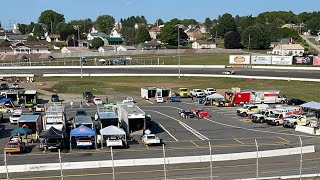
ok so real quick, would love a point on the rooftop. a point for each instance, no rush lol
(131, 108)
(82, 120)
(289, 47)
(28, 118)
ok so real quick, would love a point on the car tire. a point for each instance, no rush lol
(277, 123)
(244, 114)
(293, 104)
(261, 121)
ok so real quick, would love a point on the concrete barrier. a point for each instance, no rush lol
(305, 129)
(154, 161)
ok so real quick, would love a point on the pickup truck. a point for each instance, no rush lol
(261, 117)
(209, 91)
(197, 93)
(275, 119)
(182, 92)
(295, 119)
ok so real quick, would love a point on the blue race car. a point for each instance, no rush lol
(175, 99)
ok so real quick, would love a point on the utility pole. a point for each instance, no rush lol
(249, 42)
(78, 36)
(51, 28)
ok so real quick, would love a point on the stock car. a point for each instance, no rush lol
(229, 72)
(186, 114)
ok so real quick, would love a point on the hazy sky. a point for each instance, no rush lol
(25, 11)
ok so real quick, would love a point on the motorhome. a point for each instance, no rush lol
(54, 115)
(106, 116)
(132, 118)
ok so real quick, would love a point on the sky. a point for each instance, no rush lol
(25, 11)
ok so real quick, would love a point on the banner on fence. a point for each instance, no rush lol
(304, 60)
(316, 60)
(282, 60)
(239, 59)
(261, 59)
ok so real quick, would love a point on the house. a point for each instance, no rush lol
(101, 35)
(281, 41)
(94, 29)
(202, 28)
(125, 48)
(137, 25)
(85, 43)
(115, 33)
(113, 41)
(194, 34)
(34, 43)
(293, 26)
(106, 48)
(53, 38)
(74, 49)
(204, 45)
(149, 45)
(288, 49)
(30, 50)
(5, 50)
(154, 31)
(16, 38)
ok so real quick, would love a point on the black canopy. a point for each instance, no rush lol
(52, 133)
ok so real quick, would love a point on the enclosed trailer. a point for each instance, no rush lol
(132, 118)
(107, 116)
(30, 98)
(33, 122)
(83, 120)
(163, 92)
(148, 92)
(54, 117)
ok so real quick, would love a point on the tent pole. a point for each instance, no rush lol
(95, 142)
(101, 141)
(70, 143)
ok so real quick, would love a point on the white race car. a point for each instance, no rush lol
(229, 72)
(97, 101)
(149, 139)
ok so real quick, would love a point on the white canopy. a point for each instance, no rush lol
(311, 105)
(112, 131)
(215, 96)
(102, 60)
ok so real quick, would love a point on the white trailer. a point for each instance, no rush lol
(54, 116)
(133, 119)
(148, 92)
(267, 97)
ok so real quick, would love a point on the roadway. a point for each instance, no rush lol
(250, 72)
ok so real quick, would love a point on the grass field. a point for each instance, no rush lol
(131, 85)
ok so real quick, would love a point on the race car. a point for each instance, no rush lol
(229, 72)
(201, 113)
(186, 114)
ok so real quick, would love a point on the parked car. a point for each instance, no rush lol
(81, 112)
(14, 146)
(55, 98)
(159, 99)
(175, 99)
(15, 85)
(97, 101)
(182, 92)
(39, 108)
(295, 101)
(15, 116)
(197, 93)
(150, 139)
(209, 91)
(128, 99)
(229, 72)
(201, 113)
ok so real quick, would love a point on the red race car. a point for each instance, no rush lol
(201, 113)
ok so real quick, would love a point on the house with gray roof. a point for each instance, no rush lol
(16, 38)
(149, 45)
(101, 35)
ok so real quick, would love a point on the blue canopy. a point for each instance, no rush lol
(4, 100)
(21, 131)
(82, 131)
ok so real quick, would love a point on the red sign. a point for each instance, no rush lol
(316, 61)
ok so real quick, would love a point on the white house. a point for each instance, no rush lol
(74, 49)
(94, 30)
(53, 38)
(154, 31)
(106, 48)
(101, 35)
(30, 50)
(115, 33)
(288, 49)
(125, 48)
(204, 45)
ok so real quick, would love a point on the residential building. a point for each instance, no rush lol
(74, 49)
(204, 45)
(281, 41)
(85, 43)
(101, 35)
(53, 38)
(30, 50)
(288, 49)
(194, 34)
(154, 31)
(202, 28)
(125, 48)
(113, 41)
(149, 45)
(6, 50)
(94, 29)
(115, 33)
(106, 48)
(16, 38)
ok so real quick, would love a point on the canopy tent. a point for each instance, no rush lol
(52, 133)
(102, 60)
(112, 131)
(4, 100)
(311, 105)
(21, 131)
(215, 96)
(82, 131)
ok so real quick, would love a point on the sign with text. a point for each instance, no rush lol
(304, 60)
(282, 60)
(316, 60)
(261, 59)
(239, 59)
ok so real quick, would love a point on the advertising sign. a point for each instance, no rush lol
(304, 60)
(239, 59)
(316, 60)
(282, 60)
(261, 59)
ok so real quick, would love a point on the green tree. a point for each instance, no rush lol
(159, 22)
(169, 34)
(30, 27)
(23, 28)
(51, 18)
(84, 24)
(97, 42)
(187, 22)
(105, 23)
(232, 40)
(128, 34)
(226, 24)
(38, 31)
(32, 38)
(208, 24)
(255, 37)
(314, 25)
(243, 22)
(65, 30)
(5, 43)
(72, 40)
(142, 35)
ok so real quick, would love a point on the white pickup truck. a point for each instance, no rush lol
(209, 91)
(197, 93)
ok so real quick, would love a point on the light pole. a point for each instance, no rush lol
(179, 49)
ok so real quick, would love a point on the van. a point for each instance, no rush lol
(251, 109)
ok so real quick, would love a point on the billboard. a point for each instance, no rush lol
(282, 60)
(239, 59)
(304, 60)
(261, 59)
(316, 60)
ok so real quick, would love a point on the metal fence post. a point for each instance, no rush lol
(5, 164)
(113, 175)
(210, 149)
(257, 168)
(164, 163)
(300, 158)
(61, 172)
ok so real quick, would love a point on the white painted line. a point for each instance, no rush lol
(163, 128)
(87, 104)
(149, 102)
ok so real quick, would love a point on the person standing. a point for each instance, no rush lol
(80, 104)
(71, 104)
